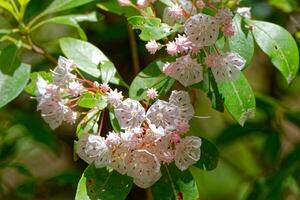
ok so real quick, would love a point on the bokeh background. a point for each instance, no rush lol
(258, 161)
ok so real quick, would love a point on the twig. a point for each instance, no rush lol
(41, 51)
(134, 51)
(101, 122)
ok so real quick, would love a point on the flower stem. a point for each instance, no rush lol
(134, 50)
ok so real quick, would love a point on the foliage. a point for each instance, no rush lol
(18, 38)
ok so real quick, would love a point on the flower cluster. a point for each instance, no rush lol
(150, 136)
(54, 98)
(200, 34)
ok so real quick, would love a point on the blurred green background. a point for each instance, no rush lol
(258, 161)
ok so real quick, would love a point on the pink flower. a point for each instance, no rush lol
(228, 30)
(75, 88)
(124, 2)
(167, 68)
(183, 44)
(174, 137)
(175, 11)
(200, 4)
(114, 97)
(152, 93)
(104, 87)
(172, 48)
(152, 46)
(141, 4)
(183, 126)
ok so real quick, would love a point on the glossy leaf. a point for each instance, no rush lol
(239, 98)
(61, 5)
(14, 75)
(86, 56)
(114, 7)
(175, 185)
(71, 20)
(150, 77)
(209, 156)
(91, 100)
(114, 122)
(279, 45)
(152, 28)
(89, 123)
(96, 184)
(241, 43)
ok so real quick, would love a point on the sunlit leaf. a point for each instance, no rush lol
(14, 75)
(61, 5)
(175, 184)
(150, 77)
(279, 45)
(239, 98)
(102, 184)
(152, 28)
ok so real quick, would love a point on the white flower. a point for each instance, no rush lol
(187, 152)
(81, 146)
(124, 2)
(244, 11)
(175, 11)
(181, 99)
(152, 93)
(172, 48)
(46, 90)
(69, 115)
(186, 70)
(104, 87)
(183, 44)
(52, 111)
(163, 114)
(152, 46)
(226, 67)
(202, 30)
(62, 73)
(112, 140)
(167, 69)
(97, 149)
(162, 150)
(144, 167)
(130, 114)
(114, 97)
(75, 88)
(118, 156)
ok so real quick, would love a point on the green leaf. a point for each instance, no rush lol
(114, 7)
(91, 100)
(71, 20)
(14, 75)
(150, 77)
(86, 56)
(61, 5)
(89, 123)
(152, 28)
(240, 42)
(108, 71)
(279, 45)
(96, 184)
(114, 122)
(239, 98)
(209, 156)
(26, 190)
(175, 185)
(285, 5)
(31, 87)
